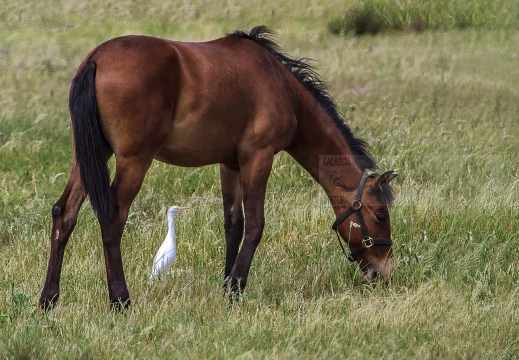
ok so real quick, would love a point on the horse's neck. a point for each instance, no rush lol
(321, 149)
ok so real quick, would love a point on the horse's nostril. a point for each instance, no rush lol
(371, 275)
(374, 275)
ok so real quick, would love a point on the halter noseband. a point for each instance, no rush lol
(355, 207)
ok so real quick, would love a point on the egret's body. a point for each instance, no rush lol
(168, 251)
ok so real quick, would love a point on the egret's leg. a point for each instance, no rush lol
(64, 217)
(130, 173)
(255, 170)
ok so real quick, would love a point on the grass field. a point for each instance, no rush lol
(438, 106)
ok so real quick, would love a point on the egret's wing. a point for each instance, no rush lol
(163, 261)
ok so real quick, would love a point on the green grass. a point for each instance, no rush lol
(374, 16)
(440, 107)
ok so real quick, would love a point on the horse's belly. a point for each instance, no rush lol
(196, 152)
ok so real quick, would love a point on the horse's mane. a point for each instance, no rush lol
(313, 83)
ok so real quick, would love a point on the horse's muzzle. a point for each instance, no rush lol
(380, 271)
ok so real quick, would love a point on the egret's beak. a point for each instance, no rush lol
(179, 208)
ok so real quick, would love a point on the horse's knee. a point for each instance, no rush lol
(227, 225)
(112, 234)
(113, 227)
(233, 229)
(254, 231)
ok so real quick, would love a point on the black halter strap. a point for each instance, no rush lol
(355, 207)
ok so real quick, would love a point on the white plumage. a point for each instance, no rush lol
(167, 252)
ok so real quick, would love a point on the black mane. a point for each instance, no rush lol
(312, 82)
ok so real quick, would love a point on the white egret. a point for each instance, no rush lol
(168, 251)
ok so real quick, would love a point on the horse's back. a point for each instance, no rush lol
(200, 101)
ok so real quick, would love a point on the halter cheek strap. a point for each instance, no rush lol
(355, 207)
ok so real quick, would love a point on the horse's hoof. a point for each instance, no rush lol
(233, 286)
(230, 289)
(119, 305)
(46, 304)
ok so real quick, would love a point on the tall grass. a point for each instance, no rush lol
(371, 17)
(440, 107)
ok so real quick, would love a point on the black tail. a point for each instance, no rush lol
(89, 141)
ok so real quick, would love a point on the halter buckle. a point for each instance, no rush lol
(356, 205)
(368, 242)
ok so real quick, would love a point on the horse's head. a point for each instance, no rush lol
(366, 227)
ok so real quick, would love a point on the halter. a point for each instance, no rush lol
(355, 207)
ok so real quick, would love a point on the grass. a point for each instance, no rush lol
(439, 106)
(372, 17)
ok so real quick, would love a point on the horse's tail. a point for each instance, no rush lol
(89, 142)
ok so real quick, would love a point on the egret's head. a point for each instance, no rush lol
(176, 209)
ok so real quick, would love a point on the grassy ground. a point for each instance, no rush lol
(440, 107)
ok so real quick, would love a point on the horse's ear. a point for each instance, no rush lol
(385, 178)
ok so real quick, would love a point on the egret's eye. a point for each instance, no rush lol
(381, 217)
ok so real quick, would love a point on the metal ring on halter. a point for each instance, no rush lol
(356, 205)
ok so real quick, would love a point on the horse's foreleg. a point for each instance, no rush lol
(125, 186)
(64, 217)
(255, 171)
(233, 214)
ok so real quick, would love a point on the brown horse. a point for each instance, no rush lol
(235, 101)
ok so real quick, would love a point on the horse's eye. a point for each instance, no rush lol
(381, 217)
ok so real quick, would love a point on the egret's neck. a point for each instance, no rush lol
(171, 224)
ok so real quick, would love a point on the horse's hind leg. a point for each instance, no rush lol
(233, 214)
(64, 216)
(130, 173)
